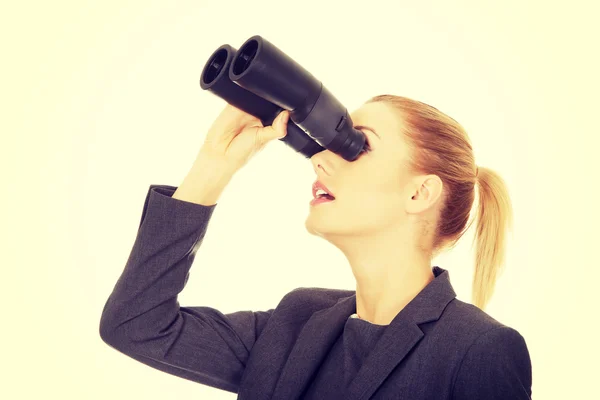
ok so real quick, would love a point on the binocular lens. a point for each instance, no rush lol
(214, 67)
(244, 57)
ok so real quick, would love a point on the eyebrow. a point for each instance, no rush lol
(367, 127)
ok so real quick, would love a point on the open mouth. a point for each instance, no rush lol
(323, 194)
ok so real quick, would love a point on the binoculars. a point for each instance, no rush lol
(263, 81)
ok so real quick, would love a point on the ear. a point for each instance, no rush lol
(428, 190)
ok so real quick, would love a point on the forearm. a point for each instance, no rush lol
(204, 182)
(144, 299)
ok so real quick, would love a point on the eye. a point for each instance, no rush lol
(367, 146)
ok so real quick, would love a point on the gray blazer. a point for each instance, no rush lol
(437, 347)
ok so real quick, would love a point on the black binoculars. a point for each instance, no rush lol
(263, 81)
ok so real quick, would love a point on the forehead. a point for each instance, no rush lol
(379, 116)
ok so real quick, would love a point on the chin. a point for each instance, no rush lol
(319, 226)
(313, 226)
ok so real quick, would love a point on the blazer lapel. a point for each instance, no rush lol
(401, 335)
(325, 326)
(312, 345)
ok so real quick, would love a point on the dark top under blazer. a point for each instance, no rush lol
(437, 347)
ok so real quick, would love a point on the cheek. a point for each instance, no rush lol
(374, 187)
(370, 214)
(373, 205)
(380, 188)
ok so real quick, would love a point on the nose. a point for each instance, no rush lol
(319, 163)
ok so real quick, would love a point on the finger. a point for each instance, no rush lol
(273, 131)
(276, 130)
(279, 126)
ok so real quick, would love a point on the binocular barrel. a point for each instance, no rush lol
(262, 80)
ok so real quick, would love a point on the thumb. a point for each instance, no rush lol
(278, 129)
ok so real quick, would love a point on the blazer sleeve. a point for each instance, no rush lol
(496, 366)
(142, 317)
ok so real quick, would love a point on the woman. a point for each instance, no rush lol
(402, 334)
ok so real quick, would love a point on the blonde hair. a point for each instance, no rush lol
(440, 145)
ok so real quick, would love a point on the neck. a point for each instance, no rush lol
(389, 273)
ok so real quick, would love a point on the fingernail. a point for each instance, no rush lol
(280, 120)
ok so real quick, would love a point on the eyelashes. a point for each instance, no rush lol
(367, 146)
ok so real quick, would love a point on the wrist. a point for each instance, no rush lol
(204, 183)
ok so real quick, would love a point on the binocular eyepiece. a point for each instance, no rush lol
(263, 81)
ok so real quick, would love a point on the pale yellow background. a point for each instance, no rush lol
(101, 99)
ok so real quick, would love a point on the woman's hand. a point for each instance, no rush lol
(236, 136)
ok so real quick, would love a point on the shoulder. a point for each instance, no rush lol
(298, 305)
(479, 330)
(320, 297)
(308, 300)
(495, 361)
(468, 319)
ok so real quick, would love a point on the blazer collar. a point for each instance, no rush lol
(326, 325)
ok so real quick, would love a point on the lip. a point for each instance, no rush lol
(319, 185)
